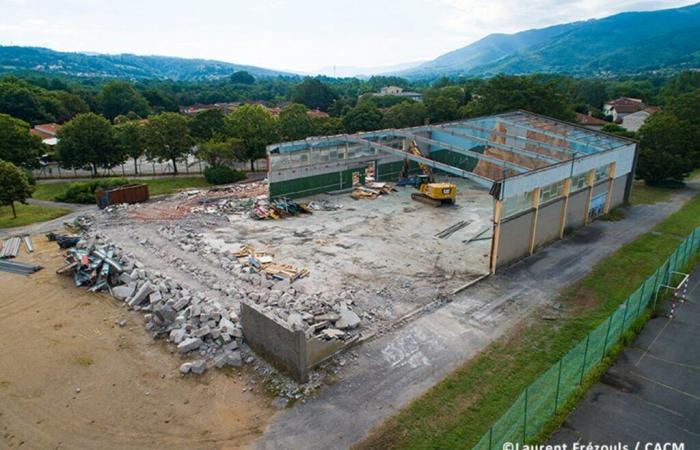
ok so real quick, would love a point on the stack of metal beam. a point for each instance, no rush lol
(10, 247)
(18, 267)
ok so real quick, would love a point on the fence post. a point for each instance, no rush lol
(556, 397)
(607, 333)
(491, 437)
(624, 317)
(585, 354)
(525, 417)
(639, 304)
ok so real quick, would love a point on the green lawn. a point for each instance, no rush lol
(27, 214)
(642, 194)
(156, 186)
(460, 409)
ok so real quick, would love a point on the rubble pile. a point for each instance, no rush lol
(371, 190)
(278, 209)
(193, 322)
(281, 289)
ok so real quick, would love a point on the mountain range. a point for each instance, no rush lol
(14, 58)
(625, 43)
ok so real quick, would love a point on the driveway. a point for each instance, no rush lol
(652, 392)
(399, 366)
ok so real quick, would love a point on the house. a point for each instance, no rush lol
(590, 122)
(634, 121)
(621, 107)
(398, 92)
(47, 132)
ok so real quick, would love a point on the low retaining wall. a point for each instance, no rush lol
(289, 350)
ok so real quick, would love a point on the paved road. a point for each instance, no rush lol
(652, 392)
(399, 366)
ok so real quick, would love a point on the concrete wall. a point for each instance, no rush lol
(282, 347)
(618, 195)
(548, 219)
(576, 210)
(514, 241)
(515, 231)
(291, 351)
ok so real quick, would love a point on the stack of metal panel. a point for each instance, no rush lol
(11, 246)
(18, 267)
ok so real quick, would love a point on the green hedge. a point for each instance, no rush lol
(84, 191)
(222, 175)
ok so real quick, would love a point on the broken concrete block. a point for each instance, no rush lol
(295, 322)
(186, 367)
(221, 360)
(181, 303)
(141, 295)
(199, 366)
(201, 332)
(123, 292)
(177, 335)
(189, 344)
(234, 359)
(155, 297)
(348, 320)
(165, 313)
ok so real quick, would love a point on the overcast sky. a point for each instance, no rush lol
(299, 35)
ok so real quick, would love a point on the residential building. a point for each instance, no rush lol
(621, 107)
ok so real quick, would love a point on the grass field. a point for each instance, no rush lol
(28, 214)
(156, 186)
(459, 410)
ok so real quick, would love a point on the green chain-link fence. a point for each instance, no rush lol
(541, 400)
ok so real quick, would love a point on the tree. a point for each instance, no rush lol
(406, 114)
(222, 153)
(88, 140)
(17, 144)
(119, 98)
(253, 125)
(364, 117)
(21, 102)
(167, 137)
(614, 128)
(129, 137)
(314, 94)
(242, 77)
(294, 122)
(207, 125)
(14, 186)
(507, 93)
(442, 109)
(161, 101)
(326, 126)
(665, 150)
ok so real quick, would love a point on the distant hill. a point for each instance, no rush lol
(629, 42)
(15, 59)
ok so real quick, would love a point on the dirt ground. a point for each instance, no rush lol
(70, 378)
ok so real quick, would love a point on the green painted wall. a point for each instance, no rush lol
(455, 159)
(317, 184)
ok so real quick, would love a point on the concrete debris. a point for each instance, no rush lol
(278, 209)
(199, 366)
(348, 320)
(190, 320)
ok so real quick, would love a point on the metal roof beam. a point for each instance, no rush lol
(547, 133)
(482, 181)
(463, 151)
(526, 140)
(529, 154)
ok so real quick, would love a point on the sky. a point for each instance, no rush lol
(298, 35)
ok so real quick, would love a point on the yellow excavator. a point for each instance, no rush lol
(430, 192)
